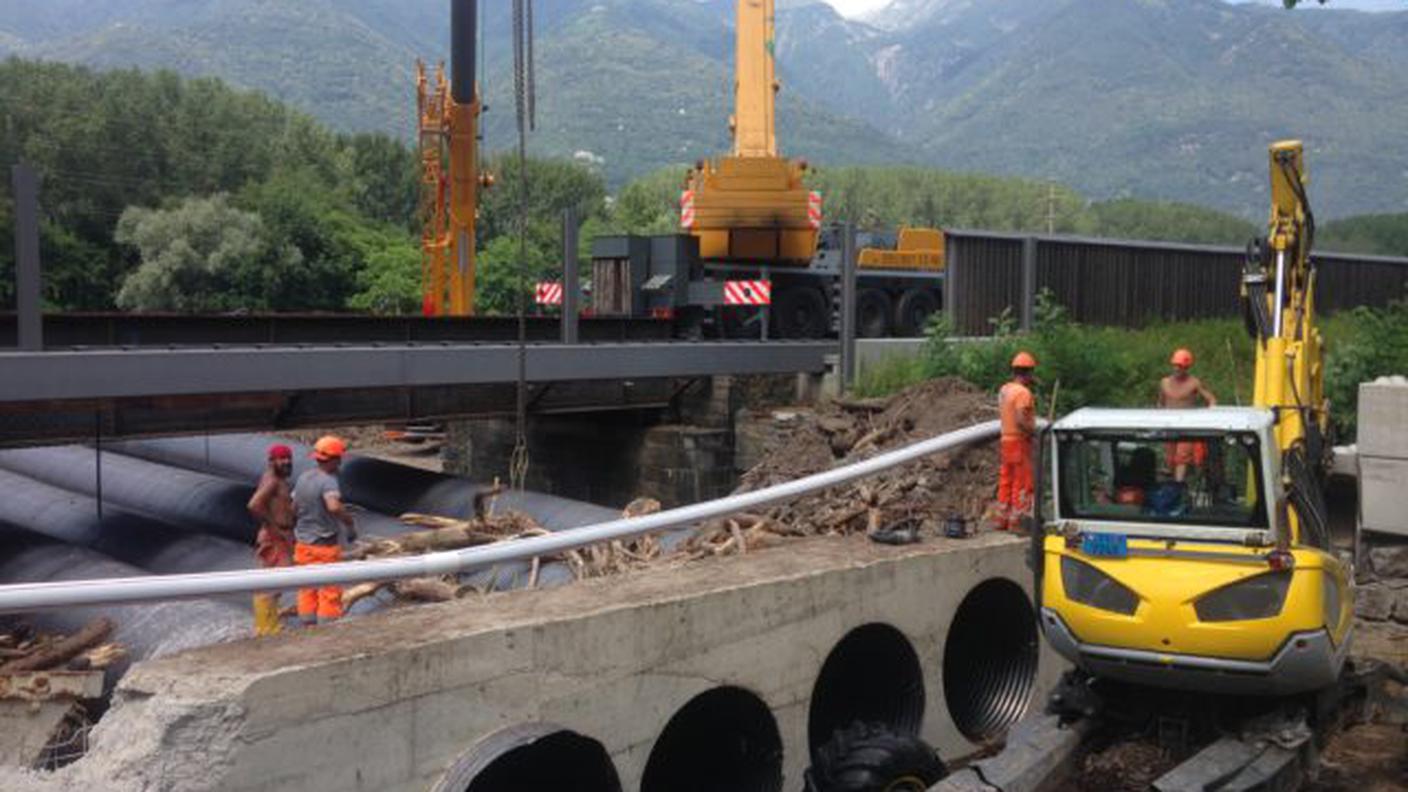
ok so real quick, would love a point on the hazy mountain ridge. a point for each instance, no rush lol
(1170, 99)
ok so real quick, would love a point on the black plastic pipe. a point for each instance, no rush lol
(376, 484)
(141, 541)
(386, 487)
(146, 631)
(192, 501)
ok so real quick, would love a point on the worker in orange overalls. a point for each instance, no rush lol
(1181, 390)
(272, 507)
(1017, 408)
(322, 523)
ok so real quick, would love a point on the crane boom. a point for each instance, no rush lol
(755, 84)
(449, 132)
(752, 205)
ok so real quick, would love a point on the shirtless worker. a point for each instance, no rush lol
(272, 507)
(1181, 390)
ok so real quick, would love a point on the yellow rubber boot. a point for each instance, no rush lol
(266, 615)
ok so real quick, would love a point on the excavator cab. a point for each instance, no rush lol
(1203, 581)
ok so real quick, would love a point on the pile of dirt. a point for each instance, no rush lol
(1370, 757)
(931, 490)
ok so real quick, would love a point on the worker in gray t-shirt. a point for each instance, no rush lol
(320, 520)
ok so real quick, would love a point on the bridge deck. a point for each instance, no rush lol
(60, 395)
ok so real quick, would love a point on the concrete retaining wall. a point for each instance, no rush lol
(393, 701)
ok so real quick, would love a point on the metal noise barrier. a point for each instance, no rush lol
(37, 596)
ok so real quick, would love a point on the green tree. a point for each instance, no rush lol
(382, 179)
(104, 141)
(1172, 222)
(499, 276)
(1385, 235)
(192, 256)
(649, 205)
(553, 186)
(389, 275)
(300, 210)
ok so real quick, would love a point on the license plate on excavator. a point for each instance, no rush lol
(1105, 545)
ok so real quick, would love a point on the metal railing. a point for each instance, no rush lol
(111, 591)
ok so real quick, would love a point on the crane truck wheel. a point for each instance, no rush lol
(874, 757)
(913, 311)
(873, 311)
(801, 312)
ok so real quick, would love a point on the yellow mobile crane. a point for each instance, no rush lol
(752, 203)
(448, 116)
(753, 245)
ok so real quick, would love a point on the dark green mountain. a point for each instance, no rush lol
(1164, 99)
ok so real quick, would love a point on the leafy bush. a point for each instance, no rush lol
(1364, 344)
(1121, 368)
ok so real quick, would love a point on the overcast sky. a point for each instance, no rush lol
(854, 7)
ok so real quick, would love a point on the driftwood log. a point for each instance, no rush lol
(59, 652)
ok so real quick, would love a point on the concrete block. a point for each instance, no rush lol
(1383, 492)
(1383, 419)
(393, 700)
(1390, 561)
(1374, 602)
(25, 728)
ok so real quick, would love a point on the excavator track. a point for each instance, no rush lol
(1180, 743)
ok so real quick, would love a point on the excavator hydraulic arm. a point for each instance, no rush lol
(1279, 298)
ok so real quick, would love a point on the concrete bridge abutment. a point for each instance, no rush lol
(731, 671)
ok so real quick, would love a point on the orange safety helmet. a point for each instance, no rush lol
(1182, 358)
(329, 447)
(1024, 360)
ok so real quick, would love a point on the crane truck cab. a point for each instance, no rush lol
(1207, 584)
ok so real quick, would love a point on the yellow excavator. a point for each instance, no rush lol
(1226, 582)
(1212, 605)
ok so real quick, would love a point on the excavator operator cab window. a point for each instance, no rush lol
(1194, 479)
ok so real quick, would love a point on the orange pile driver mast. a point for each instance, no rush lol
(752, 205)
(449, 133)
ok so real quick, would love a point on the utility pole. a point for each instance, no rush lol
(1050, 207)
(848, 308)
(571, 278)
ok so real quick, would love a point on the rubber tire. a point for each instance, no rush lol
(873, 757)
(913, 311)
(800, 312)
(873, 312)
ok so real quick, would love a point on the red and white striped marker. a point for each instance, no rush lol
(548, 293)
(748, 292)
(687, 209)
(814, 208)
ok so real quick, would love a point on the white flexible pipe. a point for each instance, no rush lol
(36, 596)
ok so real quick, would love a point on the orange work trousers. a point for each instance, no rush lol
(323, 603)
(1186, 452)
(1014, 478)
